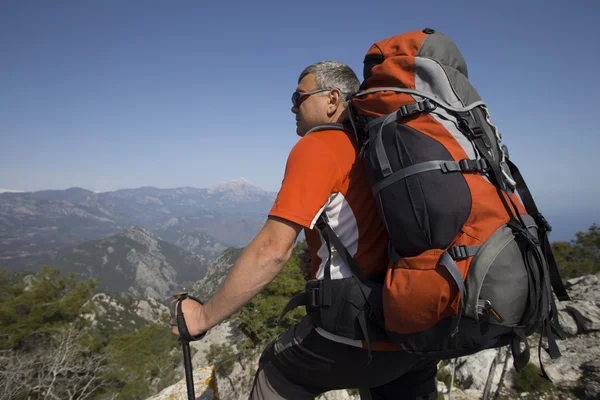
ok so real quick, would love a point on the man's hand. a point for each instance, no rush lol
(193, 315)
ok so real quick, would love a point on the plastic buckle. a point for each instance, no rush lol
(404, 111)
(471, 129)
(458, 252)
(465, 165)
(313, 298)
(482, 164)
(541, 220)
(476, 131)
(428, 105)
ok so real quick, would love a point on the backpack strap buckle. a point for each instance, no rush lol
(541, 221)
(313, 297)
(462, 251)
(469, 165)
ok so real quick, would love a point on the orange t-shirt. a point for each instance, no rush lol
(325, 174)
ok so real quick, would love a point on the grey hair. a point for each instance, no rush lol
(333, 75)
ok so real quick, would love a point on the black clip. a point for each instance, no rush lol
(321, 223)
(313, 298)
(458, 252)
(468, 165)
(542, 221)
(470, 128)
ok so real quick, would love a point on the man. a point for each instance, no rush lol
(323, 175)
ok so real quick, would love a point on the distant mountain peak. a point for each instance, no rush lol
(238, 190)
(232, 185)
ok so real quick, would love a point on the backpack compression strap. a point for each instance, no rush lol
(530, 206)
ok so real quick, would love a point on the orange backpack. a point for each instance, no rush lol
(472, 266)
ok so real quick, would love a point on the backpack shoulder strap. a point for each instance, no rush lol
(332, 126)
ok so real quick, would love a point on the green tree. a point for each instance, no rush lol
(580, 256)
(45, 347)
(222, 356)
(142, 362)
(39, 303)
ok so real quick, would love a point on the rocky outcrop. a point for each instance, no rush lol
(575, 371)
(151, 310)
(122, 311)
(134, 261)
(205, 387)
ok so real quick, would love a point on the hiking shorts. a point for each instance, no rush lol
(301, 364)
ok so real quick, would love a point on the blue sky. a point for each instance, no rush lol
(122, 94)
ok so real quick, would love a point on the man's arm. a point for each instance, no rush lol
(258, 265)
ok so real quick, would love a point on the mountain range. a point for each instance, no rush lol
(203, 220)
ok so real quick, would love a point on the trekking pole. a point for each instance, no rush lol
(187, 364)
(185, 338)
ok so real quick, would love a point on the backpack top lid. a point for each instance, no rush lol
(424, 61)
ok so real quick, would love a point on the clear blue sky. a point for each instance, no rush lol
(122, 94)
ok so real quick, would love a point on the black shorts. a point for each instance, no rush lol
(301, 364)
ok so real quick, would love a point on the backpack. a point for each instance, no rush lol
(471, 265)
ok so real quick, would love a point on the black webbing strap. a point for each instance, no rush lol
(181, 325)
(476, 135)
(332, 238)
(362, 321)
(520, 357)
(297, 300)
(544, 228)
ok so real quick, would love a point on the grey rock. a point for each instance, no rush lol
(586, 315)
(591, 379)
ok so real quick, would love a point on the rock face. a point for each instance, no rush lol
(578, 368)
(134, 261)
(205, 387)
(591, 379)
(123, 311)
(151, 310)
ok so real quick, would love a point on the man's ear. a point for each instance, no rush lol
(334, 101)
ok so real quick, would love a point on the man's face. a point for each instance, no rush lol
(312, 110)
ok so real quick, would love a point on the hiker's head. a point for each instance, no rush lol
(322, 94)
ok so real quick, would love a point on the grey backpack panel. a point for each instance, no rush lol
(497, 280)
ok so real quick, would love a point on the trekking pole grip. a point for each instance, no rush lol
(185, 338)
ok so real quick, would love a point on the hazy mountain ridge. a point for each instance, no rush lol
(196, 242)
(37, 222)
(227, 229)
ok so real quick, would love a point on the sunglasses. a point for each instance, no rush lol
(299, 97)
